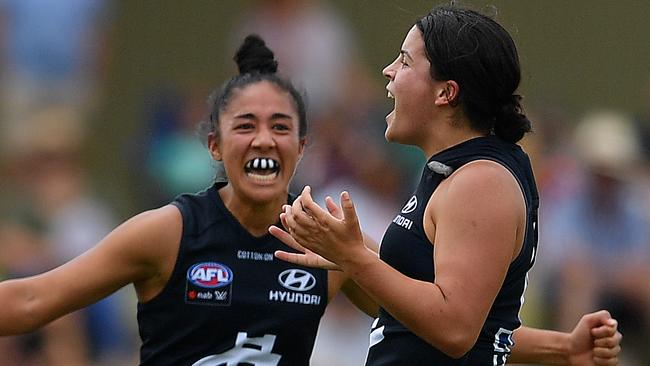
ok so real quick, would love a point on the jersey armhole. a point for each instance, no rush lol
(528, 209)
(177, 261)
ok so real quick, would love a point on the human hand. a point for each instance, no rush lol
(595, 340)
(305, 257)
(334, 235)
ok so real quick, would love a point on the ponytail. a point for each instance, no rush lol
(511, 124)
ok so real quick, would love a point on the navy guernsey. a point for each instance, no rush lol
(406, 248)
(229, 301)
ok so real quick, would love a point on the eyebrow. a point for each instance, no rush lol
(274, 116)
(406, 53)
(281, 116)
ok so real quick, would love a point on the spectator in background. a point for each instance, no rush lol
(51, 175)
(52, 52)
(25, 251)
(305, 35)
(596, 242)
(167, 150)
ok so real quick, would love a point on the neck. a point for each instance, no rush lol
(255, 217)
(445, 135)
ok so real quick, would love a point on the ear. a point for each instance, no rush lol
(301, 147)
(447, 93)
(213, 146)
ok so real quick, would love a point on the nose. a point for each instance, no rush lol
(389, 71)
(264, 138)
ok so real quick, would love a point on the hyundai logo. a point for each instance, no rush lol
(297, 280)
(410, 205)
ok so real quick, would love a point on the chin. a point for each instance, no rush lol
(389, 134)
(266, 193)
(392, 136)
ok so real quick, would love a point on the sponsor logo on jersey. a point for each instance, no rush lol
(254, 256)
(298, 281)
(210, 275)
(403, 222)
(209, 283)
(411, 205)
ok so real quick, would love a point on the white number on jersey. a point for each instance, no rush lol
(252, 351)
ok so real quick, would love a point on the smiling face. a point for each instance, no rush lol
(413, 90)
(258, 142)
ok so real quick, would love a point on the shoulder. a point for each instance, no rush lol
(156, 222)
(477, 187)
(199, 210)
(149, 235)
(482, 177)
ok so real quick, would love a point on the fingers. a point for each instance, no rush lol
(309, 260)
(609, 352)
(295, 258)
(605, 361)
(597, 318)
(333, 208)
(347, 206)
(283, 218)
(286, 238)
(608, 341)
(311, 208)
(287, 218)
(299, 211)
(296, 207)
(299, 224)
(608, 329)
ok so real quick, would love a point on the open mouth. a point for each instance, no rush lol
(264, 169)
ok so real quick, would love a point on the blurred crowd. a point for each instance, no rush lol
(592, 169)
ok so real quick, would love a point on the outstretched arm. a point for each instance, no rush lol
(131, 253)
(595, 341)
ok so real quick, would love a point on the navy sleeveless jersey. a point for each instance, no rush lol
(229, 301)
(406, 248)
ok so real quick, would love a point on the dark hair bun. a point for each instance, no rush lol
(254, 56)
(511, 123)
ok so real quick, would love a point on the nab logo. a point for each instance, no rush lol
(411, 205)
(297, 280)
(209, 275)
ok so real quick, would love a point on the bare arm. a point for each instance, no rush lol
(475, 225)
(540, 346)
(356, 293)
(595, 341)
(133, 253)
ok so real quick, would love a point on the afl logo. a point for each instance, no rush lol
(297, 280)
(210, 275)
(411, 205)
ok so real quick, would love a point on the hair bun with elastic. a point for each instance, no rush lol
(255, 56)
